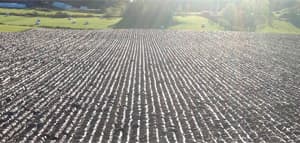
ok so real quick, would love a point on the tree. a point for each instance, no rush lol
(246, 14)
(229, 15)
(148, 14)
(115, 8)
(262, 12)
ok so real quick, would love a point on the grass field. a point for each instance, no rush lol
(280, 27)
(45, 13)
(12, 28)
(94, 22)
(19, 23)
(195, 23)
(182, 22)
(13, 23)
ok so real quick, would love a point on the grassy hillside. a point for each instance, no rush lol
(280, 27)
(12, 28)
(195, 23)
(37, 12)
(13, 23)
(21, 23)
(17, 19)
(94, 23)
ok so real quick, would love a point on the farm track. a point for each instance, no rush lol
(149, 86)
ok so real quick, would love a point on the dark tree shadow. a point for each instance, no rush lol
(147, 14)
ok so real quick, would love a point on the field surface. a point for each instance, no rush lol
(149, 86)
(94, 22)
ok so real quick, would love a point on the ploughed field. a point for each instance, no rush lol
(149, 86)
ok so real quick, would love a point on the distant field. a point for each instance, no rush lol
(12, 28)
(13, 20)
(44, 13)
(195, 23)
(94, 22)
(280, 27)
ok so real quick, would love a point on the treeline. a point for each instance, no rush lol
(232, 14)
(245, 15)
(148, 14)
(200, 5)
(249, 14)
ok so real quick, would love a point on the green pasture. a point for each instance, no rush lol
(13, 23)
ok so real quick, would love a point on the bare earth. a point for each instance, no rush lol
(149, 86)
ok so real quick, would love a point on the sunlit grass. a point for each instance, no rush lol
(21, 23)
(94, 22)
(280, 27)
(48, 13)
(12, 28)
(195, 23)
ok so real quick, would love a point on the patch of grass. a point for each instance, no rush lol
(195, 23)
(94, 22)
(50, 13)
(12, 28)
(191, 22)
(279, 27)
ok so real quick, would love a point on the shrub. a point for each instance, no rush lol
(293, 16)
(148, 14)
(34, 14)
(113, 12)
(61, 15)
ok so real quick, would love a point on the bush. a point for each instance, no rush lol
(113, 12)
(44, 9)
(34, 14)
(226, 24)
(295, 20)
(293, 17)
(148, 14)
(60, 15)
